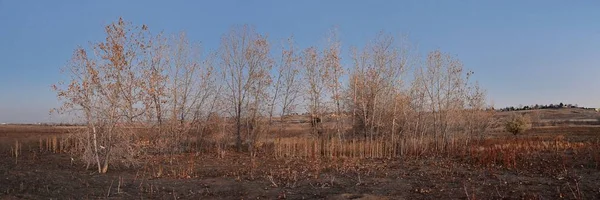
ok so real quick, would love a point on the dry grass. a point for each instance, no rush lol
(518, 152)
(295, 164)
(507, 151)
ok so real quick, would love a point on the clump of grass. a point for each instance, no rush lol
(517, 124)
(15, 151)
(516, 152)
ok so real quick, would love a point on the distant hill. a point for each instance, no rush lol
(558, 116)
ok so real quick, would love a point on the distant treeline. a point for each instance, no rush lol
(45, 124)
(538, 107)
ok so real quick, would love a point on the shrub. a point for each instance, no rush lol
(517, 124)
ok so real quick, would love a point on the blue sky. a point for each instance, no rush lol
(522, 52)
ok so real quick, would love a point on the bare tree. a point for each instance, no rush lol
(314, 74)
(107, 88)
(155, 73)
(376, 84)
(79, 96)
(334, 71)
(122, 56)
(286, 88)
(245, 61)
(180, 86)
(478, 115)
(441, 86)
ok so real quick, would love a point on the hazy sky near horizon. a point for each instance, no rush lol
(522, 52)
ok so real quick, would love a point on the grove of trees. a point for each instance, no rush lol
(141, 93)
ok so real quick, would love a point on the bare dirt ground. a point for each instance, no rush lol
(42, 174)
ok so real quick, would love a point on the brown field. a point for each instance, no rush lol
(559, 158)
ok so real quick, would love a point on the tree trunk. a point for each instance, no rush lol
(239, 127)
(96, 149)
